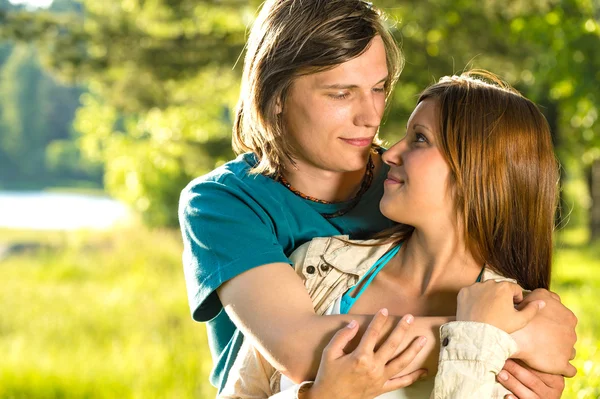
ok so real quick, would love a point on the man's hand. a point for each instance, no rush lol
(547, 342)
(526, 383)
(493, 302)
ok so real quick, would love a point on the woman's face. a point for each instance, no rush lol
(331, 117)
(416, 191)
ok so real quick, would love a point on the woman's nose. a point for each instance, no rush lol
(393, 156)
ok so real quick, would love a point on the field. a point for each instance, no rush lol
(99, 316)
(105, 315)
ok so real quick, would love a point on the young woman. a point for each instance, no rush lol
(316, 78)
(473, 186)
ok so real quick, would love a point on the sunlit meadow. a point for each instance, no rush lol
(105, 316)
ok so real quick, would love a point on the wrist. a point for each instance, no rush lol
(518, 355)
(521, 347)
(307, 391)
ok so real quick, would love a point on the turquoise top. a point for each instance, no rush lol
(348, 299)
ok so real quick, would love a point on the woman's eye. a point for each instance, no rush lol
(379, 89)
(420, 138)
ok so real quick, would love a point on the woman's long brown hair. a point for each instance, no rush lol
(504, 174)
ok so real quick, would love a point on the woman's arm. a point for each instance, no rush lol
(271, 306)
(476, 346)
(366, 372)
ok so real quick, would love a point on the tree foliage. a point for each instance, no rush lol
(36, 113)
(163, 76)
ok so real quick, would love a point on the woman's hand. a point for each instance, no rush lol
(368, 371)
(493, 303)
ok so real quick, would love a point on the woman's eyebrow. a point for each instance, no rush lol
(423, 126)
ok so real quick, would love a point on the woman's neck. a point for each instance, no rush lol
(435, 261)
(328, 185)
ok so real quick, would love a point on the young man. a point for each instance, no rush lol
(316, 78)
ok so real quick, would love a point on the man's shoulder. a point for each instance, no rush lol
(236, 169)
(235, 173)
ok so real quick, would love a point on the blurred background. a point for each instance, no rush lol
(108, 108)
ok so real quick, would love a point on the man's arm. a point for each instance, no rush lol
(272, 307)
(526, 383)
(547, 343)
(286, 311)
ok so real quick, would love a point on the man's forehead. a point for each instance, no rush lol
(338, 78)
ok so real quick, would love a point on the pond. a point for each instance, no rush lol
(59, 211)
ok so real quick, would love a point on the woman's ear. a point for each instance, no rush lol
(278, 106)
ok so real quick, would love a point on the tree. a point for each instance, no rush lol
(162, 87)
(163, 76)
(36, 111)
(21, 108)
(548, 50)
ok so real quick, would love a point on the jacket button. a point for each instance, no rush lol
(445, 342)
(310, 269)
(324, 268)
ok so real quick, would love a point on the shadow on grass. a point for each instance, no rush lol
(52, 387)
(568, 284)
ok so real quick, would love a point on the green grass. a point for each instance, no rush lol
(576, 278)
(105, 315)
(99, 316)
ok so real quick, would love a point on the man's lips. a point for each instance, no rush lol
(394, 179)
(359, 141)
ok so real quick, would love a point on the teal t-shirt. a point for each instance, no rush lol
(232, 221)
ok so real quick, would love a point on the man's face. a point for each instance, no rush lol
(331, 117)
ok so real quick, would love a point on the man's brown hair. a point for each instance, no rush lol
(291, 38)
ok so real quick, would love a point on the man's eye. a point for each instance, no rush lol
(339, 96)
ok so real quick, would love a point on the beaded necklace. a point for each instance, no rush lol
(364, 186)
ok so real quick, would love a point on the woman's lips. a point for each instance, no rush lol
(393, 180)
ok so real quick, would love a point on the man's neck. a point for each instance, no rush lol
(327, 185)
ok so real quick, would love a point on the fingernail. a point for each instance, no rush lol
(510, 397)
(409, 319)
(384, 311)
(503, 375)
(422, 341)
(424, 375)
(352, 324)
(541, 305)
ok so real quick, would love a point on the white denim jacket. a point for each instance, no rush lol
(474, 352)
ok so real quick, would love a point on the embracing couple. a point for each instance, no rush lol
(326, 266)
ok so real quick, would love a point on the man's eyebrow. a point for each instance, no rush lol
(343, 86)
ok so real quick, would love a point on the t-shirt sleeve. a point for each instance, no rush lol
(225, 232)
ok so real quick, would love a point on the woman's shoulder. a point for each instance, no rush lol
(489, 274)
(339, 252)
